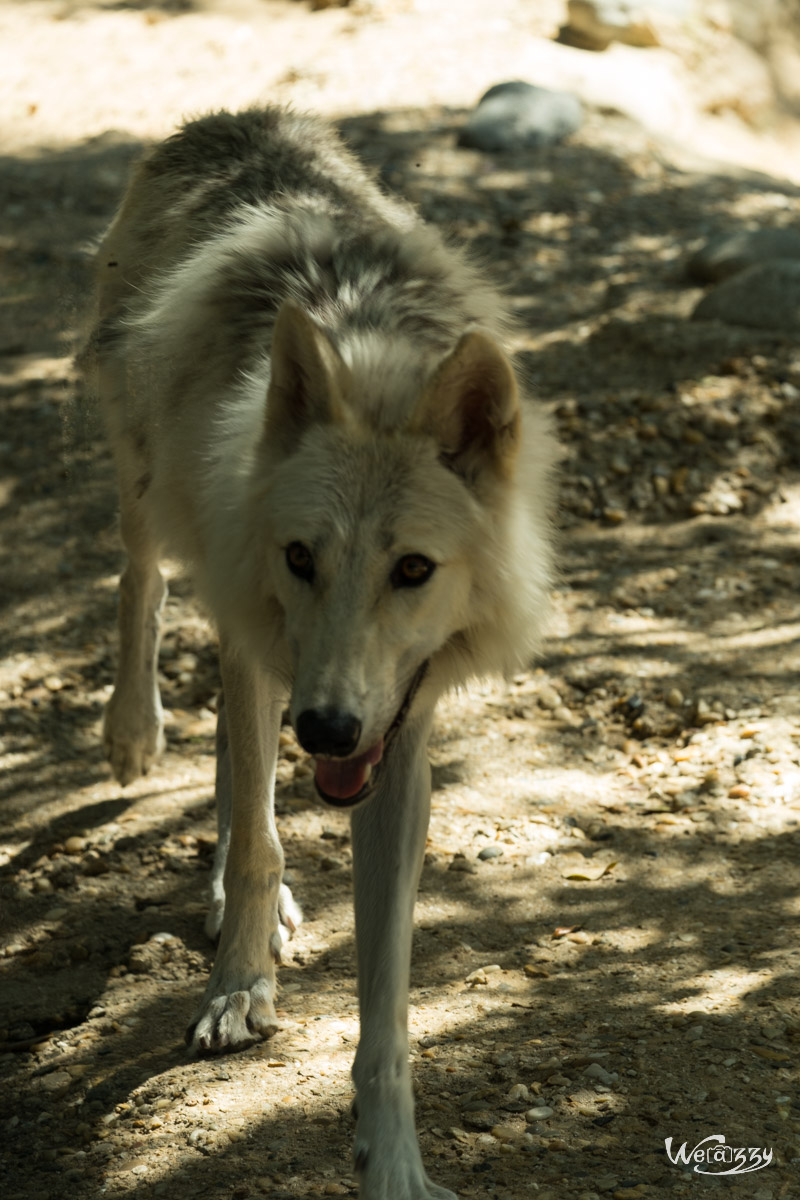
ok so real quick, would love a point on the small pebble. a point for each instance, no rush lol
(536, 971)
(458, 1135)
(542, 1113)
(506, 1133)
(606, 1182)
(75, 845)
(548, 698)
(598, 1072)
(490, 852)
(476, 977)
(56, 1081)
(460, 863)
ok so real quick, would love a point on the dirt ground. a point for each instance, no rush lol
(607, 919)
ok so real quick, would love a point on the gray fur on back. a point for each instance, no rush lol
(357, 260)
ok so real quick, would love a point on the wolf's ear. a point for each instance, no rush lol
(470, 405)
(307, 379)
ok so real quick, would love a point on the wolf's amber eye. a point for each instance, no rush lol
(300, 561)
(412, 570)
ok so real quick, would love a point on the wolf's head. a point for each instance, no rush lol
(391, 525)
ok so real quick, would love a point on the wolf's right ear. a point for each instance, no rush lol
(307, 380)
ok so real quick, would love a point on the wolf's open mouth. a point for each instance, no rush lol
(344, 782)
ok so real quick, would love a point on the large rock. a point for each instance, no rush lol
(519, 116)
(761, 297)
(728, 253)
(594, 24)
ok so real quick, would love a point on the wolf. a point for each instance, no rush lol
(310, 404)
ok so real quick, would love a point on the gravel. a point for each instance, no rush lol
(656, 740)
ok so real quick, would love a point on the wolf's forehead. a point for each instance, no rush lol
(387, 497)
(381, 528)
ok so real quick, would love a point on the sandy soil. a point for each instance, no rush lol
(607, 916)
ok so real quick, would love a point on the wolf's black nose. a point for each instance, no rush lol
(325, 731)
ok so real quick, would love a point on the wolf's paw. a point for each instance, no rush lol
(235, 1018)
(133, 737)
(289, 917)
(394, 1172)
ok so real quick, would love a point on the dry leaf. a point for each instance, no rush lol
(589, 873)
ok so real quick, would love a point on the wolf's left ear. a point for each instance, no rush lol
(471, 407)
(307, 380)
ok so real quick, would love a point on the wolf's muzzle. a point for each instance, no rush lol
(326, 731)
(345, 781)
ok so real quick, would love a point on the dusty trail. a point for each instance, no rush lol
(607, 917)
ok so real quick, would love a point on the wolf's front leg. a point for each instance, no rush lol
(238, 1006)
(388, 845)
(289, 913)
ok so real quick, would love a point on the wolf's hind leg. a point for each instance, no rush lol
(289, 914)
(133, 726)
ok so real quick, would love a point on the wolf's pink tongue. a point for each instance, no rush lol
(343, 778)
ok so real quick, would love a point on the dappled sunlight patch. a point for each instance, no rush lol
(726, 989)
(19, 370)
(659, 734)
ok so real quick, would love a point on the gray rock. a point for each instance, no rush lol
(542, 1113)
(761, 297)
(597, 1071)
(519, 116)
(728, 253)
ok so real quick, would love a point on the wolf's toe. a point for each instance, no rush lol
(133, 737)
(234, 1021)
(127, 764)
(132, 757)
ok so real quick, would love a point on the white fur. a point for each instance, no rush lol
(368, 423)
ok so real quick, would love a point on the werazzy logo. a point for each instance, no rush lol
(713, 1157)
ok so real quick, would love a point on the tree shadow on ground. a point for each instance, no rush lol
(609, 349)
